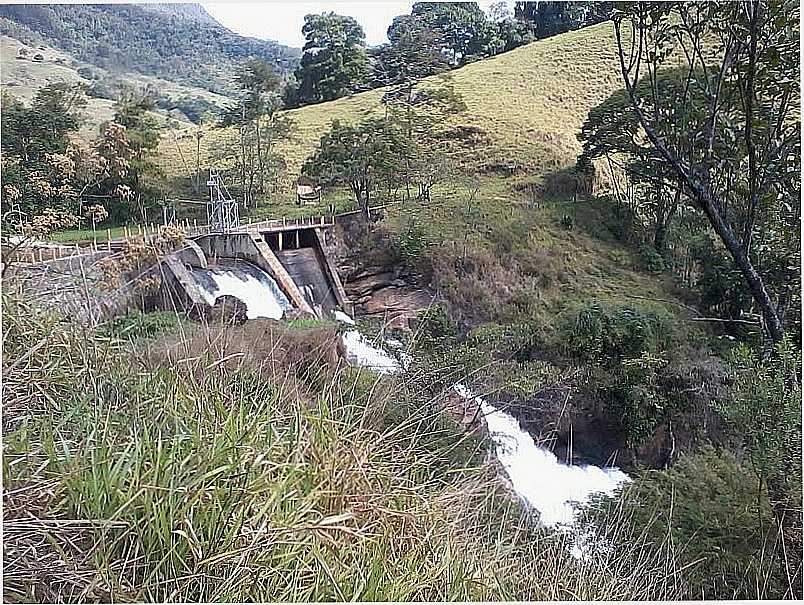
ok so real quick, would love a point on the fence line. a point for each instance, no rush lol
(42, 254)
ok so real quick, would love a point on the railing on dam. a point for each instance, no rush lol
(42, 253)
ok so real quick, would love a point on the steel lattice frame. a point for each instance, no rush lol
(222, 211)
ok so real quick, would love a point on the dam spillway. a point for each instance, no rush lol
(258, 290)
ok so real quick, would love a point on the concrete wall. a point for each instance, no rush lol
(75, 286)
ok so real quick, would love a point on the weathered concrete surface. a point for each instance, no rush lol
(250, 247)
(332, 273)
(179, 286)
(76, 286)
(306, 269)
(192, 254)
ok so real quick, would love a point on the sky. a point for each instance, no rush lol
(282, 21)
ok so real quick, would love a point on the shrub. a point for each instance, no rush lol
(606, 333)
(435, 324)
(517, 341)
(653, 261)
(633, 399)
(410, 245)
(709, 514)
(136, 324)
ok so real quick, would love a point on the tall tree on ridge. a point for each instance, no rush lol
(334, 63)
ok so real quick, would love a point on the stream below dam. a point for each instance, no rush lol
(553, 489)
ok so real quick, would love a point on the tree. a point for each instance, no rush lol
(612, 131)
(740, 162)
(551, 18)
(766, 411)
(127, 146)
(360, 156)
(334, 63)
(31, 132)
(35, 144)
(413, 52)
(421, 113)
(260, 126)
(466, 32)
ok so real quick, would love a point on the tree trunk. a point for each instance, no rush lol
(259, 156)
(660, 235)
(701, 192)
(756, 285)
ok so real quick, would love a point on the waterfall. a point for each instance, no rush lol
(552, 488)
(545, 484)
(361, 352)
(249, 283)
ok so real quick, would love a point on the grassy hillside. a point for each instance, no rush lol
(529, 102)
(22, 77)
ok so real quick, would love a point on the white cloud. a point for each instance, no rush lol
(282, 21)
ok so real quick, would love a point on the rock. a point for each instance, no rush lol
(397, 305)
(228, 310)
(387, 292)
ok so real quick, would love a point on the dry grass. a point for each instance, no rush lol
(206, 480)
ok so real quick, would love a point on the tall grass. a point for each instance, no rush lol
(206, 474)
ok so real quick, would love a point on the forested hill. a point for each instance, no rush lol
(194, 12)
(177, 45)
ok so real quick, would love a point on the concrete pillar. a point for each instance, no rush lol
(280, 240)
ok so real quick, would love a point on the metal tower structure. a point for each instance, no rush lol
(222, 210)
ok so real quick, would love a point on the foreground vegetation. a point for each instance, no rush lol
(261, 469)
(626, 306)
(259, 478)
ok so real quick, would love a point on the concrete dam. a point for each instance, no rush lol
(289, 265)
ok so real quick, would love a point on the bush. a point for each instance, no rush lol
(517, 341)
(136, 324)
(605, 333)
(633, 399)
(709, 514)
(435, 326)
(410, 245)
(654, 262)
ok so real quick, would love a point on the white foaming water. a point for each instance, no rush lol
(361, 352)
(343, 317)
(249, 283)
(552, 488)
